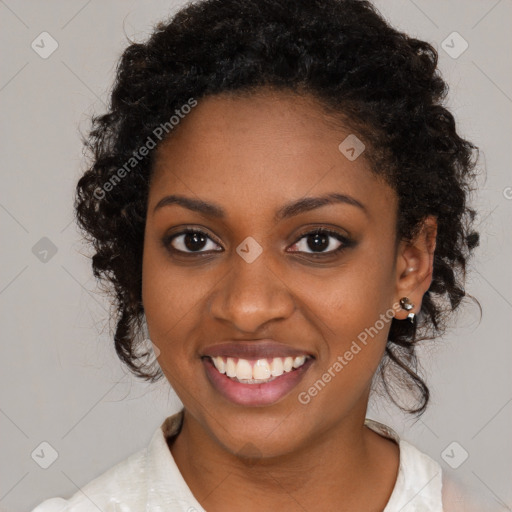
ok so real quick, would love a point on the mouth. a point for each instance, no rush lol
(257, 371)
(255, 381)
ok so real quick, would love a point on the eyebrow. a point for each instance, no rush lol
(288, 210)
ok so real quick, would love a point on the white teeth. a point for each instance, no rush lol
(230, 367)
(219, 364)
(259, 371)
(243, 369)
(299, 361)
(276, 367)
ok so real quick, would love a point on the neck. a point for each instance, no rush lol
(334, 471)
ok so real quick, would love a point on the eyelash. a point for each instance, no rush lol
(345, 242)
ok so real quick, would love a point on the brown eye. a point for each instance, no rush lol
(191, 241)
(320, 242)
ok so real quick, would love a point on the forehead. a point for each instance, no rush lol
(262, 149)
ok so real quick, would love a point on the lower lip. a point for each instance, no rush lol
(254, 394)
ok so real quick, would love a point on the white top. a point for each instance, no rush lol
(149, 480)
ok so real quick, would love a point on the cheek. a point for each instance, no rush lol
(355, 308)
(353, 297)
(171, 302)
(170, 305)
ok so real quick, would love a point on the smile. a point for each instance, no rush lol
(255, 382)
(257, 371)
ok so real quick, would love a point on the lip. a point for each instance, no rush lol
(255, 395)
(257, 349)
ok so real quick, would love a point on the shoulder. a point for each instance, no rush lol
(121, 484)
(459, 496)
(418, 486)
(131, 484)
(422, 485)
(419, 479)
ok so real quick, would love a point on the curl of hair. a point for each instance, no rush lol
(380, 82)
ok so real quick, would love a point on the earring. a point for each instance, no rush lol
(406, 304)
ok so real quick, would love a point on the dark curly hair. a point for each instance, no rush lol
(382, 83)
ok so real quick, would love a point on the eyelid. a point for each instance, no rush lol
(321, 229)
(345, 240)
(167, 239)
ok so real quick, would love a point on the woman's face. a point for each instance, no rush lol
(253, 289)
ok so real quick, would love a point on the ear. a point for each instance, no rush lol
(414, 266)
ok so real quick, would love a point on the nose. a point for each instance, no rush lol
(252, 295)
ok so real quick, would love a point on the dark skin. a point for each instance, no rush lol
(251, 155)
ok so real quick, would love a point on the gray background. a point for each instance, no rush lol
(61, 380)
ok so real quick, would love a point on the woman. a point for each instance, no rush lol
(278, 198)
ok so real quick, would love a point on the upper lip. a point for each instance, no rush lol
(256, 349)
